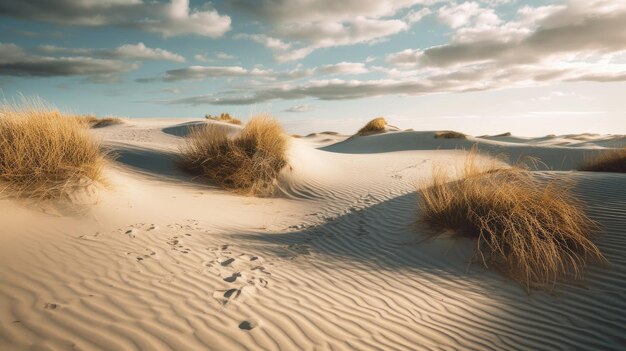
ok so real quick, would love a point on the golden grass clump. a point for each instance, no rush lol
(86, 120)
(92, 121)
(377, 125)
(534, 232)
(448, 134)
(224, 117)
(609, 161)
(248, 163)
(107, 121)
(43, 153)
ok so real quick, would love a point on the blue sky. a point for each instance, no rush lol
(483, 66)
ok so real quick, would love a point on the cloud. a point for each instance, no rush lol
(128, 51)
(291, 11)
(457, 16)
(297, 28)
(169, 19)
(224, 56)
(578, 41)
(141, 52)
(220, 55)
(201, 58)
(575, 32)
(416, 16)
(444, 81)
(203, 72)
(200, 72)
(299, 109)
(15, 61)
(345, 68)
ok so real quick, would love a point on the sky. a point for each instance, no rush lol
(531, 67)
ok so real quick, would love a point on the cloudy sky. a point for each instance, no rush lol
(485, 66)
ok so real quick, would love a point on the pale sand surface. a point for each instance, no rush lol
(162, 261)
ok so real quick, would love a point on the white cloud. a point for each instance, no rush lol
(553, 36)
(578, 41)
(437, 81)
(416, 16)
(456, 15)
(169, 19)
(224, 56)
(298, 28)
(201, 58)
(127, 51)
(141, 52)
(345, 68)
(293, 11)
(299, 108)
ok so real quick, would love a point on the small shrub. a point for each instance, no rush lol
(448, 134)
(43, 153)
(377, 125)
(609, 161)
(224, 117)
(532, 231)
(247, 164)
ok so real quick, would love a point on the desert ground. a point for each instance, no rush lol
(157, 259)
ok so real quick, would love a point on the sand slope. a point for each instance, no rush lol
(161, 261)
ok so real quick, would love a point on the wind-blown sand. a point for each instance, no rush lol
(161, 261)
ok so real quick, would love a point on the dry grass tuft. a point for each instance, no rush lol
(86, 120)
(377, 125)
(609, 161)
(92, 121)
(224, 117)
(533, 232)
(106, 121)
(43, 153)
(247, 164)
(448, 134)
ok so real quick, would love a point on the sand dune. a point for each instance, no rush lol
(162, 261)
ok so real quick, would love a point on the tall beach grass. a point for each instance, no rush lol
(44, 153)
(533, 231)
(248, 164)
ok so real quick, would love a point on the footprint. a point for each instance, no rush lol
(248, 325)
(51, 306)
(227, 262)
(227, 296)
(132, 233)
(233, 277)
(261, 269)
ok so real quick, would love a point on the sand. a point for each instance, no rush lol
(159, 260)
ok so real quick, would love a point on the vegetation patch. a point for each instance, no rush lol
(534, 232)
(224, 117)
(44, 153)
(375, 126)
(448, 134)
(248, 163)
(608, 161)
